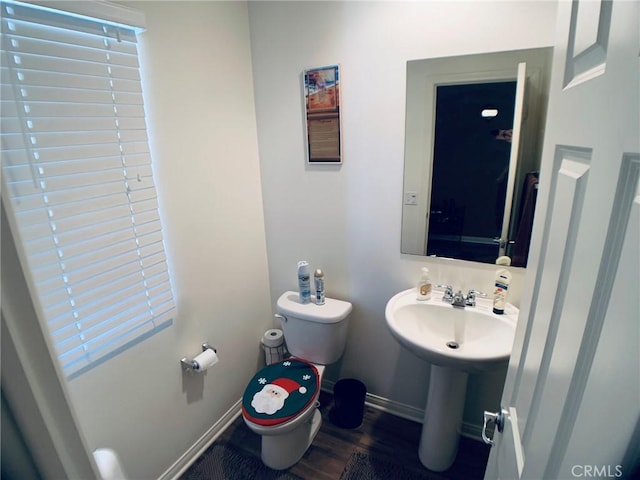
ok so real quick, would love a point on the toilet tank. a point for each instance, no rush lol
(317, 333)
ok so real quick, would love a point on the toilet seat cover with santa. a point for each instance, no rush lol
(280, 391)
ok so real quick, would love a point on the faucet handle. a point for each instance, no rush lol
(448, 292)
(471, 297)
(476, 293)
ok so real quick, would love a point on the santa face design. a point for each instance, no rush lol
(270, 399)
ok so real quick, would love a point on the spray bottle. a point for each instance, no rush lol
(304, 282)
(318, 278)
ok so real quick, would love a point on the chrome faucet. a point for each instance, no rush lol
(458, 299)
(471, 297)
(447, 296)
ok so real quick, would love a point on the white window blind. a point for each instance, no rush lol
(78, 181)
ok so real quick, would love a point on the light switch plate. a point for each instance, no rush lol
(411, 198)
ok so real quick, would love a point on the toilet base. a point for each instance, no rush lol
(282, 451)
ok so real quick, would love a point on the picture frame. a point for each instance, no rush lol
(323, 130)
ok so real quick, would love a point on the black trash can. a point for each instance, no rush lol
(348, 398)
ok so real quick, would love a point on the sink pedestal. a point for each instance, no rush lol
(442, 418)
(455, 341)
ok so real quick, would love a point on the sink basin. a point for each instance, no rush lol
(456, 341)
(471, 339)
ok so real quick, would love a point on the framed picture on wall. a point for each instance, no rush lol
(322, 122)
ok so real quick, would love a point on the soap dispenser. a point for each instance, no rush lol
(424, 285)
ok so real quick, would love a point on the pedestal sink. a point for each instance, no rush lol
(456, 341)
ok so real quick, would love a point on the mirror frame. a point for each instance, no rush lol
(422, 78)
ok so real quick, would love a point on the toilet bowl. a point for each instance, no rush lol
(280, 402)
(282, 408)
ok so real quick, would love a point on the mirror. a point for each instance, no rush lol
(473, 140)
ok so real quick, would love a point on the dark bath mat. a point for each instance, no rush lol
(366, 467)
(222, 462)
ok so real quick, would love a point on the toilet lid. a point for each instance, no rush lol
(279, 392)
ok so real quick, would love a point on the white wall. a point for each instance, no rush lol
(196, 66)
(347, 219)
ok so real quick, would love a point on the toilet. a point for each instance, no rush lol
(280, 402)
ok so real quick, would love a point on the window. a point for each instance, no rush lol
(77, 182)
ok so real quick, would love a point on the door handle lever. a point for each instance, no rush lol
(498, 420)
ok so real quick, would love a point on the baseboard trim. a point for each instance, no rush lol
(391, 407)
(407, 412)
(198, 448)
(471, 430)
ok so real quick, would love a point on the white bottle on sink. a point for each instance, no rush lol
(503, 278)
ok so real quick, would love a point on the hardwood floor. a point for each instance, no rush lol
(381, 434)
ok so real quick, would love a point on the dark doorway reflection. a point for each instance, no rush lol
(470, 170)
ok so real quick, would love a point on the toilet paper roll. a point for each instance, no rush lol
(206, 359)
(273, 338)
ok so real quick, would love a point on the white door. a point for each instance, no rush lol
(518, 117)
(572, 395)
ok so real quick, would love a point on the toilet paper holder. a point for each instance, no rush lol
(190, 365)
